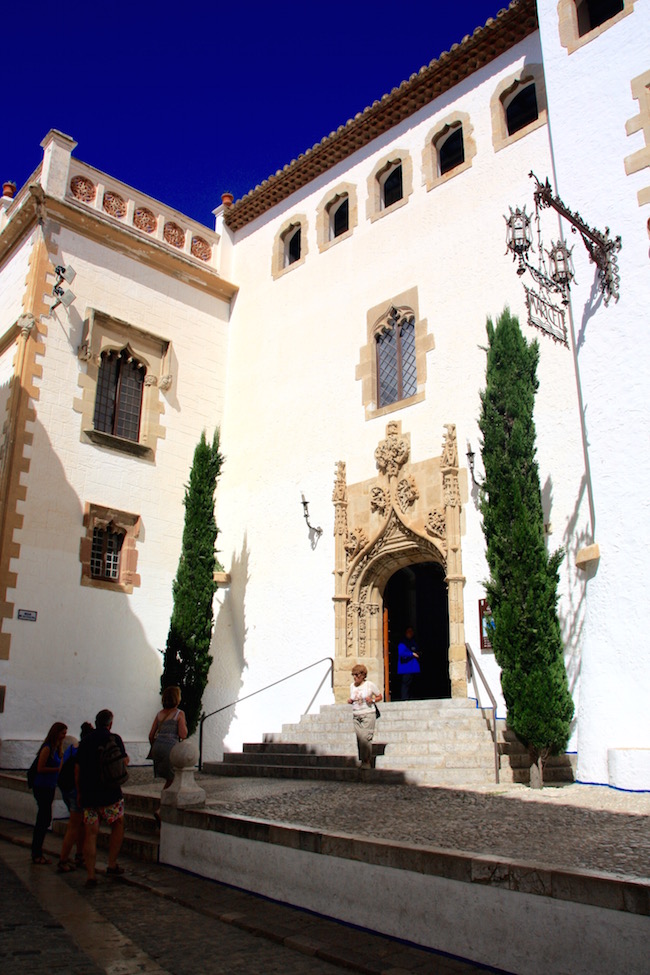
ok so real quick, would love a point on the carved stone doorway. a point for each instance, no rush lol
(408, 515)
(417, 596)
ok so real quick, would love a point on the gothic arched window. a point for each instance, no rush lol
(396, 370)
(118, 402)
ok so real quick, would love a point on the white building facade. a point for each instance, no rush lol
(347, 373)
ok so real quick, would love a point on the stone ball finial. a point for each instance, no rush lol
(185, 754)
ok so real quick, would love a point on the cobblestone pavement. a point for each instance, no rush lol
(160, 921)
(574, 826)
(551, 830)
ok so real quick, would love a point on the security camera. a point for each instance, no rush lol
(66, 273)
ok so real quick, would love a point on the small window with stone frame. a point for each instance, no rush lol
(107, 550)
(521, 108)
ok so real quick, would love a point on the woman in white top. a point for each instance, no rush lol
(363, 695)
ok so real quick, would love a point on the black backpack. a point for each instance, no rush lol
(66, 780)
(112, 764)
(31, 771)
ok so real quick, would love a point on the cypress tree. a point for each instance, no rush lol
(522, 588)
(187, 654)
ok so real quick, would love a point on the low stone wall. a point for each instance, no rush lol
(525, 918)
(18, 803)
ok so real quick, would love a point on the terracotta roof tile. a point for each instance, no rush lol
(499, 34)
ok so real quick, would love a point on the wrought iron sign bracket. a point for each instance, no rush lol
(602, 249)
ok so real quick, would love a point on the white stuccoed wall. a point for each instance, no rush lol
(94, 648)
(590, 101)
(297, 340)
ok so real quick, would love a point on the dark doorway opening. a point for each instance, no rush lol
(417, 596)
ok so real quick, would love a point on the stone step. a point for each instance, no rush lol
(137, 844)
(304, 759)
(331, 774)
(396, 722)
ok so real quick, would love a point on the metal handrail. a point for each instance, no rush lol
(474, 665)
(253, 693)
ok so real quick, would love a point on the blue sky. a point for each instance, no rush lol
(187, 101)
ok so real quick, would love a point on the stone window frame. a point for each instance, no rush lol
(103, 333)
(366, 370)
(529, 73)
(430, 167)
(129, 525)
(278, 263)
(567, 11)
(323, 219)
(374, 208)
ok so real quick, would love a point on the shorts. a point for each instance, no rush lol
(70, 799)
(110, 814)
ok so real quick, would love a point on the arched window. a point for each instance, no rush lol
(521, 108)
(396, 370)
(451, 150)
(339, 217)
(593, 13)
(118, 402)
(292, 245)
(390, 181)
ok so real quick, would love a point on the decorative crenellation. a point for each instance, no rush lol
(174, 234)
(83, 189)
(201, 249)
(142, 218)
(114, 204)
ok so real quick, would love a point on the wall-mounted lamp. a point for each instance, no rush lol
(470, 463)
(63, 296)
(519, 238)
(305, 510)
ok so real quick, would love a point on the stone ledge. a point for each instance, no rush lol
(586, 887)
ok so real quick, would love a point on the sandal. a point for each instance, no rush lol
(64, 866)
(41, 861)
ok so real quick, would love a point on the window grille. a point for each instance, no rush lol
(105, 554)
(118, 402)
(396, 367)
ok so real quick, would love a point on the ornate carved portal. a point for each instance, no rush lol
(408, 513)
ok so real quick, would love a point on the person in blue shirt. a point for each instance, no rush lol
(408, 663)
(50, 760)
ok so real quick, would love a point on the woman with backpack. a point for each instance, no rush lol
(68, 786)
(48, 765)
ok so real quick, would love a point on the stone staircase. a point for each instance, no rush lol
(141, 833)
(141, 837)
(429, 743)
